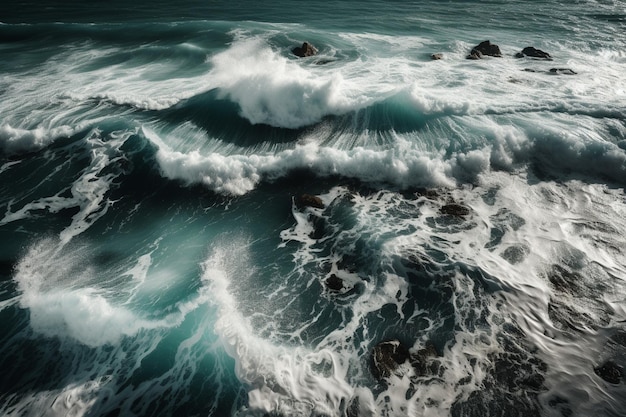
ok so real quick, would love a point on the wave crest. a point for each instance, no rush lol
(271, 89)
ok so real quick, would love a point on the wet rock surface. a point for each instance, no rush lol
(454, 209)
(610, 372)
(533, 52)
(305, 50)
(485, 48)
(334, 283)
(308, 200)
(386, 357)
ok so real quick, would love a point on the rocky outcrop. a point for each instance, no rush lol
(454, 209)
(305, 50)
(533, 52)
(308, 200)
(485, 48)
(424, 361)
(387, 357)
(318, 222)
(430, 194)
(610, 372)
(334, 283)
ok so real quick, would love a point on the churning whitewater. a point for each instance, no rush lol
(197, 221)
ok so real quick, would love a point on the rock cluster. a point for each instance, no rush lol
(484, 48)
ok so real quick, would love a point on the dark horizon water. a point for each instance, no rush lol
(155, 259)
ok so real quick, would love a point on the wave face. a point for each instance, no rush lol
(461, 251)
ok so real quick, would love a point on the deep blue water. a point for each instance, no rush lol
(155, 259)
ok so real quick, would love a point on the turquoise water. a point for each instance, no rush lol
(154, 258)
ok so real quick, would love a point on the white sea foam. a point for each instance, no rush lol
(288, 380)
(64, 96)
(547, 224)
(59, 306)
(282, 379)
(17, 140)
(469, 122)
(67, 296)
(88, 192)
(407, 164)
(282, 92)
(273, 90)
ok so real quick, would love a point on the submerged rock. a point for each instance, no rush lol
(610, 372)
(318, 223)
(361, 405)
(430, 194)
(305, 50)
(485, 48)
(423, 362)
(334, 283)
(308, 200)
(562, 71)
(454, 209)
(387, 356)
(533, 53)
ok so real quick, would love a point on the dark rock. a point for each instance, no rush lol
(428, 193)
(387, 356)
(610, 372)
(619, 338)
(319, 227)
(305, 50)
(308, 200)
(485, 48)
(423, 362)
(530, 70)
(534, 382)
(561, 405)
(533, 53)
(562, 71)
(428, 351)
(436, 57)
(334, 283)
(454, 209)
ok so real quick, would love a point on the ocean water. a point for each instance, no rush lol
(155, 259)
